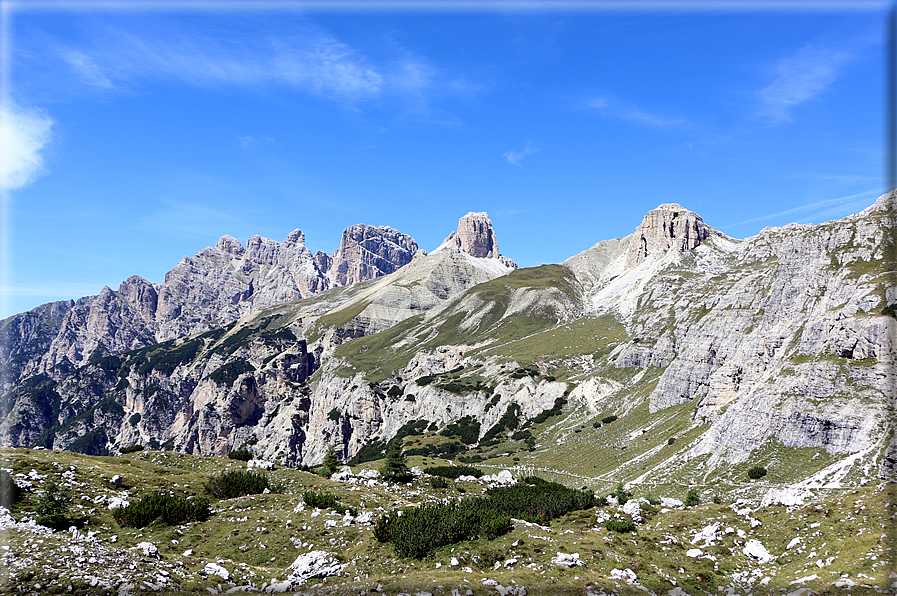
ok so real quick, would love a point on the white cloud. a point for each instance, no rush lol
(800, 78)
(245, 141)
(87, 69)
(23, 134)
(621, 110)
(826, 208)
(515, 157)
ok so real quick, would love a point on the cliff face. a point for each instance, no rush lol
(779, 345)
(216, 286)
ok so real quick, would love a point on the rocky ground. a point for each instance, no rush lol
(272, 543)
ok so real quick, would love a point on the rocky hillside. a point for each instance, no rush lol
(674, 355)
(277, 542)
(216, 286)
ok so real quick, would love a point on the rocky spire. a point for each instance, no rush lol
(668, 226)
(476, 237)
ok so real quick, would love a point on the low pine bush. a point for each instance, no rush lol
(9, 492)
(608, 419)
(319, 500)
(756, 472)
(237, 483)
(326, 501)
(438, 482)
(453, 471)
(692, 499)
(52, 506)
(620, 526)
(418, 532)
(131, 449)
(240, 455)
(162, 508)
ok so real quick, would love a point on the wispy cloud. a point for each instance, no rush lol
(54, 290)
(800, 78)
(245, 141)
(24, 133)
(187, 218)
(515, 157)
(817, 211)
(308, 59)
(615, 108)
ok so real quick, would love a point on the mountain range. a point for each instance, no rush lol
(676, 354)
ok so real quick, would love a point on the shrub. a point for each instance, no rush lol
(326, 501)
(453, 471)
(653, 500)
(396, 467)
(52, 505)
(621, 494)
(131, 449)
(330, 464)
(615, 525)
(717, 500)
(9, 491)
(419, 532)
(671, 440)
(162, 508)
(438, 482)
(334, 415)
(241, 454)
(608, 419)
(467, 429)
(228, 373)
(237, 483)
(692, 499)
(756, 472)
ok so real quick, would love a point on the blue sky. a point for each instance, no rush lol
(135, 134)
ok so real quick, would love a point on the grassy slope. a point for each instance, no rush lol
(850, 536)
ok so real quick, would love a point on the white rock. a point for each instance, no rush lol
(755, 549)
(694, 553)
(624, 574)
(149, 549)
(708, 534)
(317, 563)
(453, 562)
(671, 503)
(188, 553)
(633, 509)
(260, 464)
(567, 560)
(117, 503)
(216, 569)
(794, 542)
(116, 480)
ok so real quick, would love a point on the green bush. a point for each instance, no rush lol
(326, 501)
(228, 373)
(9, 492)
(756, 472)
(162, 508)
(419, 532)
(453, 471)
(241, 454)
(237, 483)
(52, 505)
(615, 525)
(396, 467)
(608, 419)
(330, 464)
(438, 482)
(621, 494)
(692, 499)
(131, 449)
(467, 429)
(671, 440)
(334, 415)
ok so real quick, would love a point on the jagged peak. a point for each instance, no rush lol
(476, 237)
(667, 226)
(230, 245)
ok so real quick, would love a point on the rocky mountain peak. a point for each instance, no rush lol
(476, 235)
(366, 252)
(230, 245)
(668, 226)
(295, 238)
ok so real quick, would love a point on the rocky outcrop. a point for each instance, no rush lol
(366, 252)
(476, 237)
(216, 286)
(669, 226)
